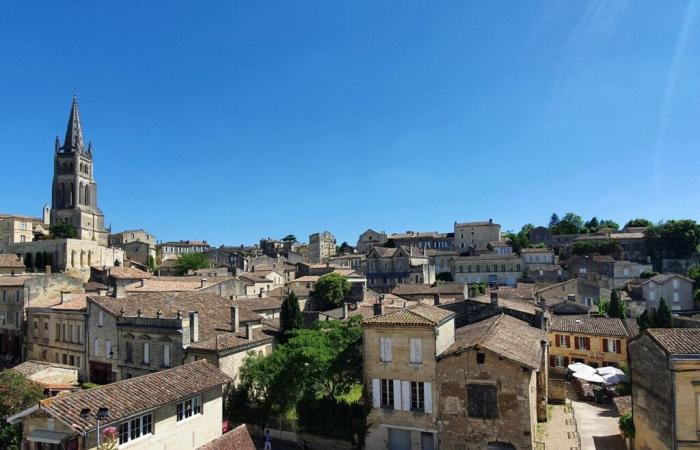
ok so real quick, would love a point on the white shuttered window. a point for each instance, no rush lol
(416, 350)
(385, 349)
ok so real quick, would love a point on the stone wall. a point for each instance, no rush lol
(652, 395)
(516, 401)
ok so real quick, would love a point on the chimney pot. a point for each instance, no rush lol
(139, 313)
(194, 326)
(63, 297)
(235, 317)
(143, 282)
(204, 283)
(494, 298)
(378, 309)
(249, 331)
(436, 299)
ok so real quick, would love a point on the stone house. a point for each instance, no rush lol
(544, 273)
(17, 293)
(230, 257)
(492, 385)
(355, 261)
(537, 256)
(584, 292)
(369, 239)
(321, 247)
(675, 289)
(597, 268)
(65, 340)
(472, 234)
(540, 235)
(179, 408)
(11, 264)
(665, 372)
(256, 285)
(596, 341)
(400, 370)
(441, 259)
(143, 333)
(389, 266)
(55, 378)
(173, 249)
(138, 245)
(429, 293)
(493, 268)
(436, 387)
(627, 271)
(424, 240)
(14, 229)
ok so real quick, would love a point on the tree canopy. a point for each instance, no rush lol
(17, 393)
(600, 246)
(655, 318)
(331, 290)
(191, 261)
(616, 307)
(63, 229)
(672, 239)
(290, 315)
(569, 224)
(520, 239)
(289, 238)
(638, 223)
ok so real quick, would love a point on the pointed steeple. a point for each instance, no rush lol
(74, 133)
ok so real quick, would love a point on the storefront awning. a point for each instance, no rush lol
(46, 436)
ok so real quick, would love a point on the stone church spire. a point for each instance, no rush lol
(74, 133)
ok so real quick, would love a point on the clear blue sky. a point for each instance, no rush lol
(230, 121)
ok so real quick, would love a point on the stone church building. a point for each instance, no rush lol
(73, 200)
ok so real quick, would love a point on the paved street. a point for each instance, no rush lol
(559, 432)
(598, 426)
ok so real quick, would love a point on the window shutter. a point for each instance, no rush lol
(416, 351)
(588, 343)
(381, 349)
(575, 342)
(405, 395)
(556, 339)
(566, 361)
(552, 361)
(397, 395)
(428, 397)
(375, 392)
(605, 345)
(619, 349)
(568, 341)
(387, 349)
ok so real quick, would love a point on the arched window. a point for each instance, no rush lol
(90, 258)
(72, 258)
(72, 194)
(61, 195)
(81, 195)
(87, 194)
(82, 258)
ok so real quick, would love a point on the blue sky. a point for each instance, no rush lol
(231, 121)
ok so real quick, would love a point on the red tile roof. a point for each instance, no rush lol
(677, 341)
(584, 324)
(236, 439)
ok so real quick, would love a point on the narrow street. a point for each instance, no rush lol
(598, 426)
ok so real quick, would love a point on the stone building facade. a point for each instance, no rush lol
(173, 249)
(321, 247)
(583, 291)
(388, 267)
(502, 269)
(369, 239)
(595, 341)
(14, 230)
(473, 234)
(675, 289)
(665, 373)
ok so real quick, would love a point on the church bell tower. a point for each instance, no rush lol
(74, 191)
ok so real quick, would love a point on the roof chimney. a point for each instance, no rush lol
(494, 298)
(63, 297)
(378, 309)
(235, 319)
(249, 331)
(194, 326)
(436, 299)
(571, 297)
(204, 283)
(119, 290)
(143, 282)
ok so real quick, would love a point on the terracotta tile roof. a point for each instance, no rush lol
(13, 281)
(125, 273)
(94, 286)
(603, 259)
(31, 367)
(248, 276)
(11, 261)
(584, 324)
(74, 302)
(129, 397)
(632, 327)
(416, 315)
(535, 250)
(665, 277)
(504, 335)
(519, 292)
(236, 439)
(214, 315)
(429, 289)
(677, 341)
(256, 303)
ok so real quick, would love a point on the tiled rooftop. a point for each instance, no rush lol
(677, 341)
(584, 324)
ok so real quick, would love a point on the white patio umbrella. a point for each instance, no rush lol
(590, 377)
(614, 378)
(580, 368)
(609, 370)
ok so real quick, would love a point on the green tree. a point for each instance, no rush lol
(444, 276)
(608, 224)
(696, 296)
(289, 238)
(152, 264)
(616, 308)
(603, 306)
(638, 223)
(600, 246)
(520, 239)
(626, 424)
(344, 248)
(290, 314)
(592, 225)
(672, 239)
(569, 224)
(663, 316)
(694, 273)
(191, 261)
(644, 320)
(331, 290)
(329, 356)
(17, 393)
(63, 229)
(648, 274)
